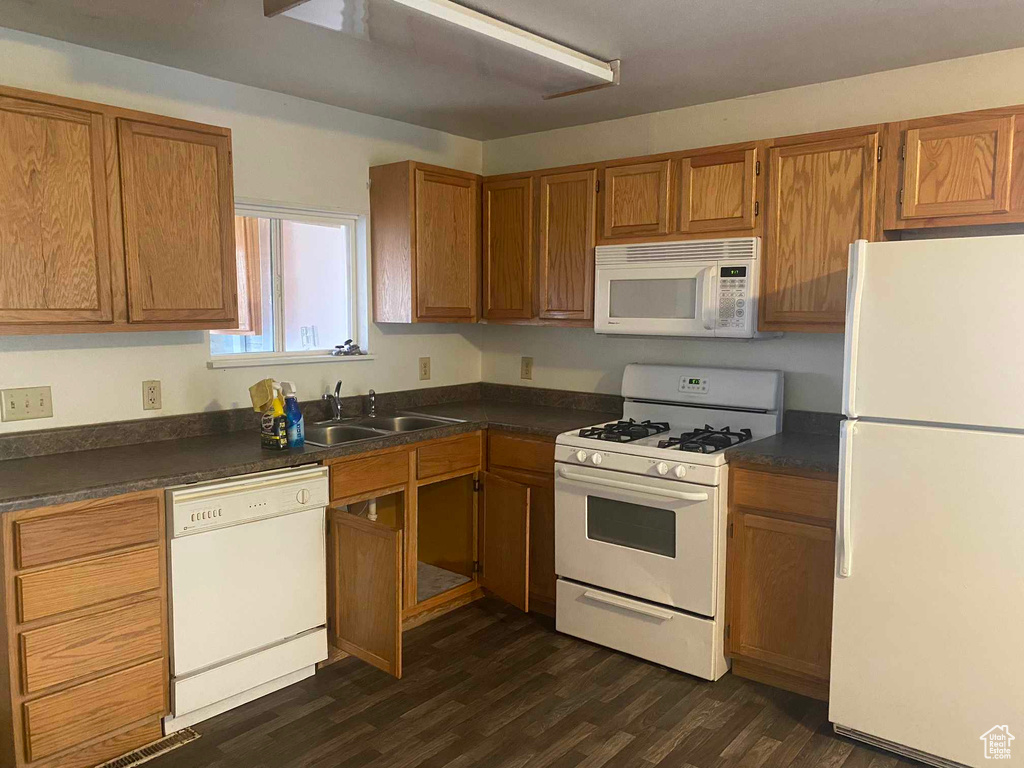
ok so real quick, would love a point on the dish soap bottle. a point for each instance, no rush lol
(293, 415)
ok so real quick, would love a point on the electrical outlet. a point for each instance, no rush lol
(424, 369)
(526, 368)
(151, 397)
(26, 403)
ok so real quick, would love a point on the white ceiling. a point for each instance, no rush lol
(419, 70)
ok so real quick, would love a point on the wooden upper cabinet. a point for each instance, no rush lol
(956, 170)
(636, 200)
(568, 213)
(179, 224)
(508, 227)
(822, 195)
(54, 238)
(425, 241)
(717, 192)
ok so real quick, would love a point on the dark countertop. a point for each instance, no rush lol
(800, 451)
(64, 477)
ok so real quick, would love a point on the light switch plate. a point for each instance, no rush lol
(26, 403)
(526, 368)
(424, 369)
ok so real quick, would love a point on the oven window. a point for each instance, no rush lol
(660, 298)
(647, 529)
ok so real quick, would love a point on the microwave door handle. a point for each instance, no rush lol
(635, 487)
(708, 304)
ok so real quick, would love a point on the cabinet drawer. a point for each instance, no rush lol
(787, 494)
(449, 456)
(506, 450)
(92, 709)
(57, 590)
(385, 470)
(111, 525)
(61, 653)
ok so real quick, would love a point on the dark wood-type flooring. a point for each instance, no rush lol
(488, 686)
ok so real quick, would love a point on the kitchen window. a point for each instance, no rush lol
(301, 287)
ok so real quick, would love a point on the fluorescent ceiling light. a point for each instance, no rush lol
(520, 38)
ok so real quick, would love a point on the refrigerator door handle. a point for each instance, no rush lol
(854, 299)
(844, 531)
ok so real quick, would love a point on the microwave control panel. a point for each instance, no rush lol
(733, 296)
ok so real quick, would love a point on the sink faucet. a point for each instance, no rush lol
(373, 403)
(335, 401)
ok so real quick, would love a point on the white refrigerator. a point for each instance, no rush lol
(928, 618)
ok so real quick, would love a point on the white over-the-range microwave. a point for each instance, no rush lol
(682, 288)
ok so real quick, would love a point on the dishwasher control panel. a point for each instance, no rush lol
(221, 503)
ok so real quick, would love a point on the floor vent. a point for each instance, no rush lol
(150, 751)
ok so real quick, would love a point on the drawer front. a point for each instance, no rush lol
(92, 709)
(58, 590)
(62, 653)
(662, 635)
(119, 744)
(786, 494)
(386, 470)
(506, 450)
(105, 527)
(450, 456)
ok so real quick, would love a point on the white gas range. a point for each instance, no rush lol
(640, 512)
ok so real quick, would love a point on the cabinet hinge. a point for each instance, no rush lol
(477, 485)
(757, 168)
(730, 530)
(903, 152)
(476, 566)
(728, 631)
(597, 186)
(757, 207)
(879, 153)
(901, 197)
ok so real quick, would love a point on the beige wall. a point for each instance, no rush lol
(579, 359)
(286, 150)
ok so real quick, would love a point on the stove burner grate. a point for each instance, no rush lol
(706, 440)
(625, 431)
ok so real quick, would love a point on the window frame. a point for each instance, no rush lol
(358, 267)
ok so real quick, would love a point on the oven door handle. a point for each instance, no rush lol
(635, 487)
(629, 605)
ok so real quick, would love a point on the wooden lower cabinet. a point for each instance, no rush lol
(85, 675)
(445, 531)
(781, 553)
(530, 461)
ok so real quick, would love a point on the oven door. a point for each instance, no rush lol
(659, 300)
(647, 537)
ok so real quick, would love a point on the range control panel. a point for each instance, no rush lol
(696, 385)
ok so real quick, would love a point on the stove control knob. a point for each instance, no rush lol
(597, 458)
(662, 468)
(679, 471)
(581, 455)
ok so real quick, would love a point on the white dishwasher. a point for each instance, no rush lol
(248, 588)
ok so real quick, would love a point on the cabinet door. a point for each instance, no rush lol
(179, 224)
(822, 197)
(568, 211)
(447, 247)
(365, 595)
(508, 249)
(505, 539)
(716, 192)
(779, 599)
(636, 200)
(54, 243)
(958, 169)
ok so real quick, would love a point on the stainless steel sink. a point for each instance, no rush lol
(334, 433)
(406, 423)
